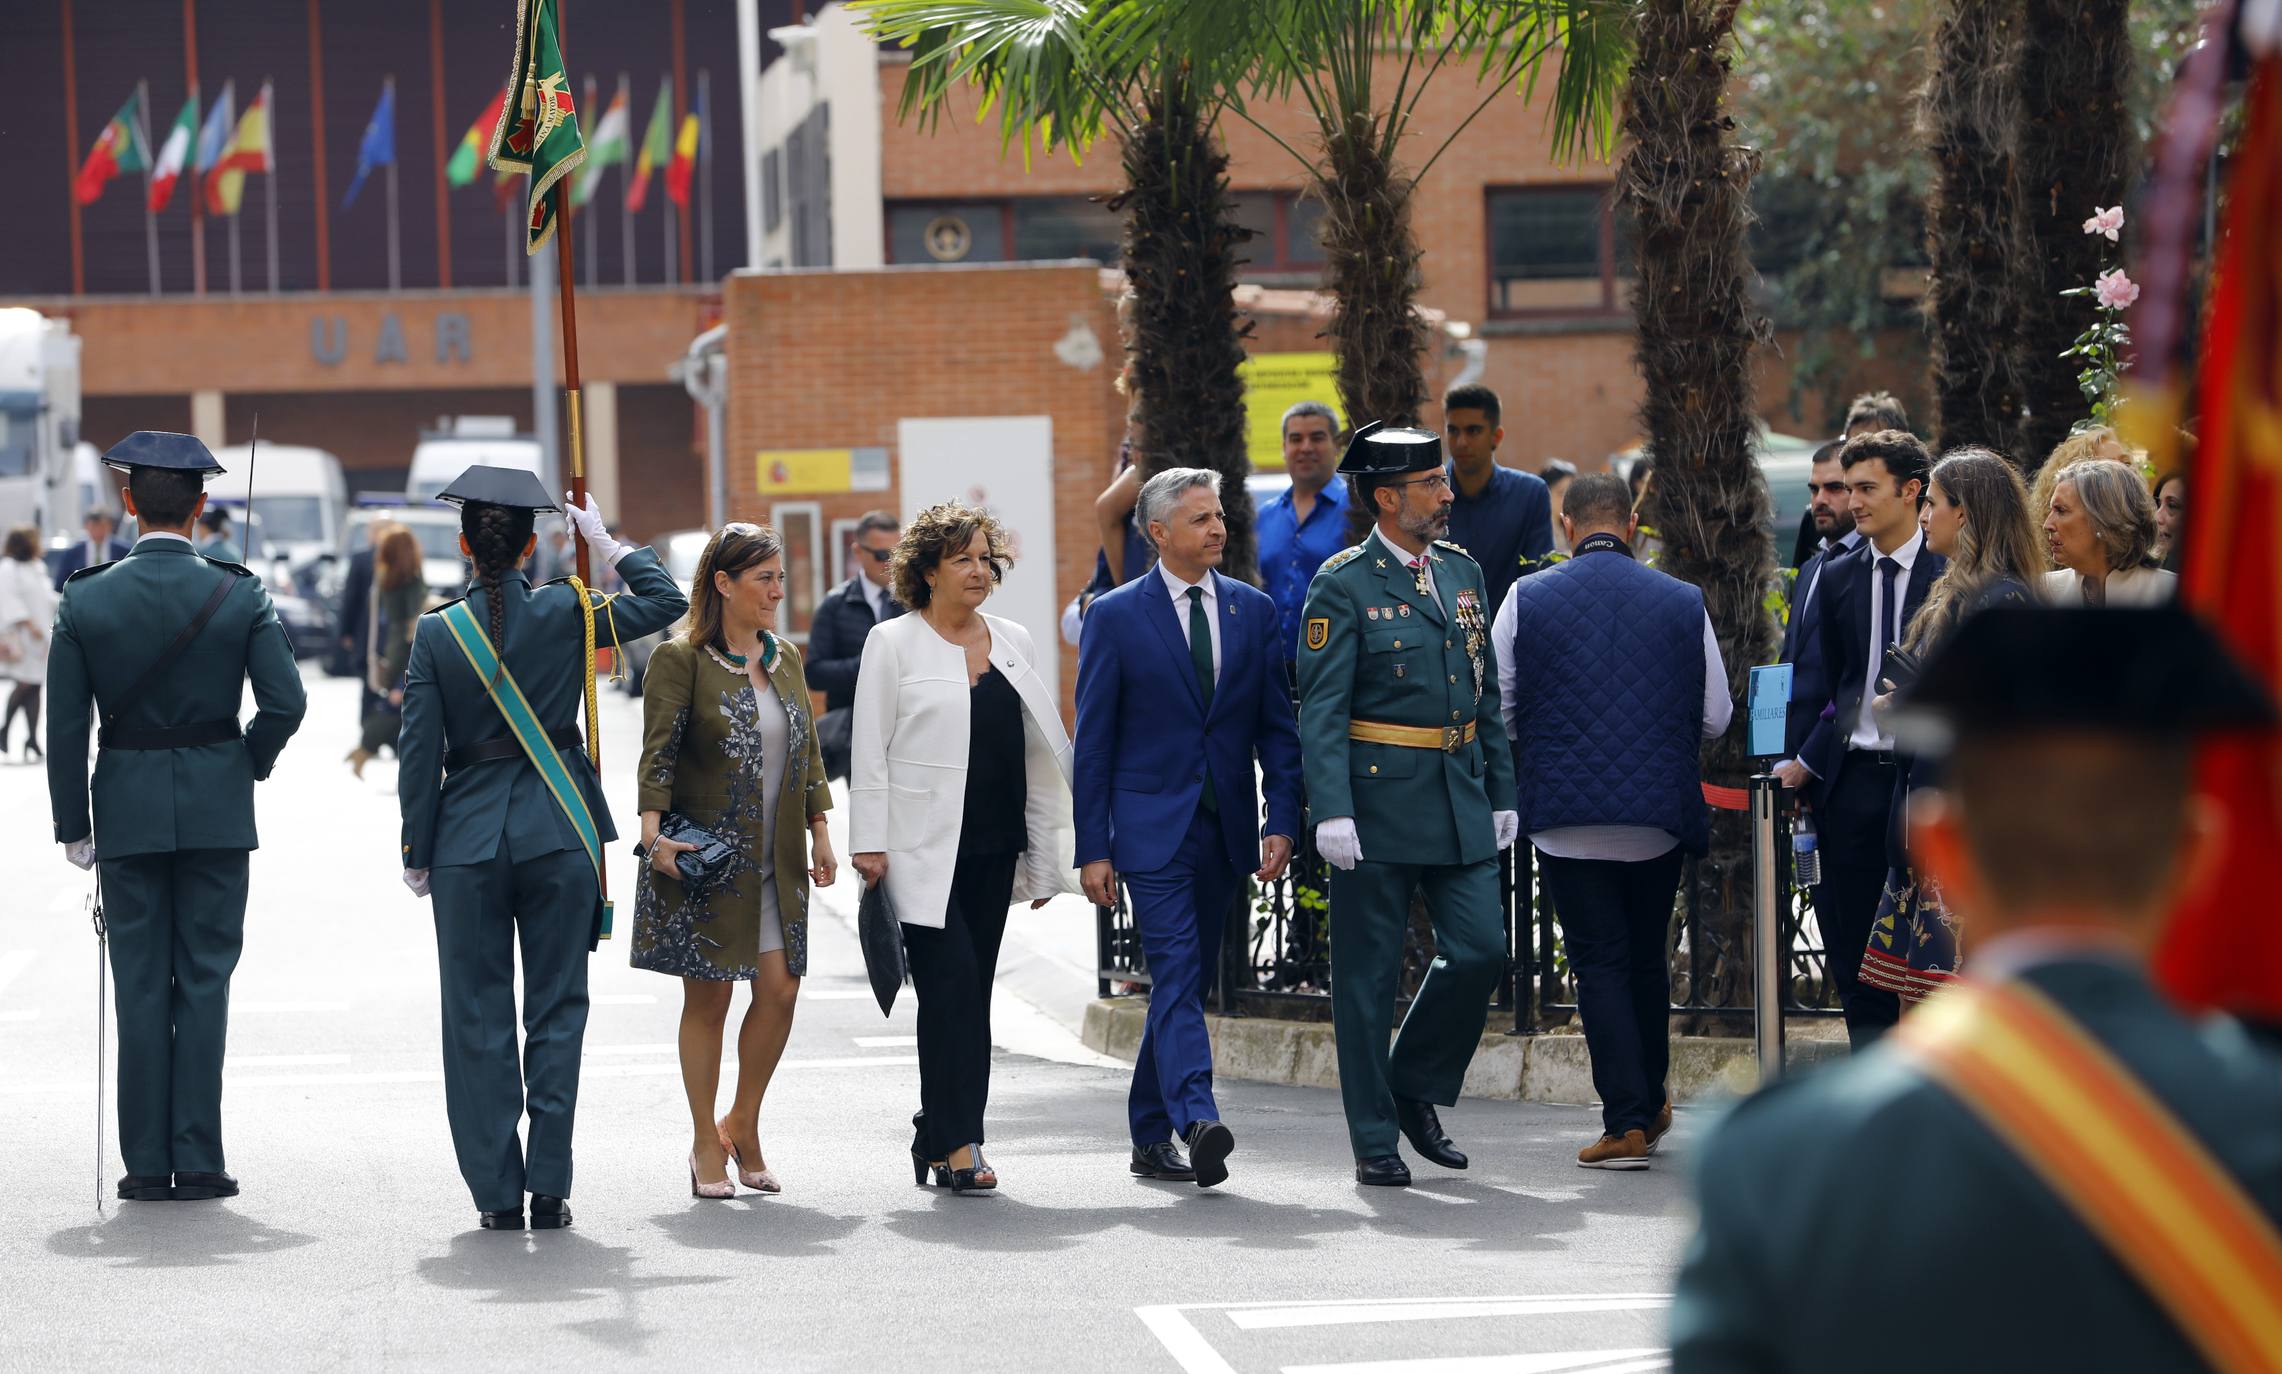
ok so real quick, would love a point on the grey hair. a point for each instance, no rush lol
(1160, 492)
(2117, 504)
(1309, 408)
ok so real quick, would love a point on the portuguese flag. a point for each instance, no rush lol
(467, 159)
(679, 170)
(657, 146)
(118, 150)
(173, 154)
(537, 130)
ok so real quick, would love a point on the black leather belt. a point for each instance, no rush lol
(1884, 758)
(171, 736)
(506, 747)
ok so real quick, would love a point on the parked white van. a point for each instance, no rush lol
(299, 494)
(447, 451)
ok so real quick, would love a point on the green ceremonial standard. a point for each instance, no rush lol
(537, 130)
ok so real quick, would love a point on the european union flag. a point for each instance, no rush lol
(379, 146)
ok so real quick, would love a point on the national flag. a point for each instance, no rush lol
(684, 166)
(467, 159)
(657, 146)
(247, 151)
(173, 153)
(118, 149)
(216, 133)
(537, 130)
(606, 146)
(379, 146)
(2223, 948)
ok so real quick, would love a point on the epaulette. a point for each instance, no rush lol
(1341, 558)
(1454, 548)
(239, 568)
(90, 568)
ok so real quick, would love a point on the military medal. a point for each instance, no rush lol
(1405, 610)
(1373, 612)
(1469, 616)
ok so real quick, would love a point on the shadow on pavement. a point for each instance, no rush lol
(749, 1226)
(174, 1235)
(557, 1267)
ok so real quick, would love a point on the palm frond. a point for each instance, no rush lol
(1038, 65)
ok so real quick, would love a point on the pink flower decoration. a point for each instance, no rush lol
(2109, 221)
(2115, 290)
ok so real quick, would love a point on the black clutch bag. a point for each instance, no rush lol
(700, 869)
(881, 935)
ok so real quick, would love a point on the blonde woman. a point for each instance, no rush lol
(2100, 533)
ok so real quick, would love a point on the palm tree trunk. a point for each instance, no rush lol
(2075, 158)
(1181, 241)
(1371, 262)
(1970, 116)
(1687, 187)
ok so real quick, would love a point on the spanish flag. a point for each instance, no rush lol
(247, 151)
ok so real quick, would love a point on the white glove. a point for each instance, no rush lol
(1508, 825)
(587, 520)
(81, 853)
(1338, 843)
(417, 880)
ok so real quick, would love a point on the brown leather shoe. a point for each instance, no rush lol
(1610, 1152)
(1661, 1126)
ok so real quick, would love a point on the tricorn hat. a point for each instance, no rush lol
(495, 486)
(155, 448)
(1381, 450)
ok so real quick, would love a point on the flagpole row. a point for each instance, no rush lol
(150, 220)
(71, 149)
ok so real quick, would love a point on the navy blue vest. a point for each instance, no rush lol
(1609, 698)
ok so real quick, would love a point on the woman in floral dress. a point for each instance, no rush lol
(729, 743)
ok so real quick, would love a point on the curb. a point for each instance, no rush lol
(1553, 1067)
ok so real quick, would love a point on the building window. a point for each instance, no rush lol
(1287, 235)
(1029, 229)
(1046, 228)
(1556, 250)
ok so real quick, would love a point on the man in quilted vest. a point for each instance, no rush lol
(1611, 680)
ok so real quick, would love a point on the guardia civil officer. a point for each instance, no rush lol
(1411, 785)
(504, 823)
(159, 646)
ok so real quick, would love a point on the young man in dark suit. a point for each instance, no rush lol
(1832, 519)
(836, 634)
(1846, 763)
(101, 546)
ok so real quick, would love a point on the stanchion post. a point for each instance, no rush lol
(1767, 962)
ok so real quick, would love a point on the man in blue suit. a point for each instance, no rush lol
(101, 546)
(1180, 692)
(1835, 537)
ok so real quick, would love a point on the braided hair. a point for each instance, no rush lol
(496, 536)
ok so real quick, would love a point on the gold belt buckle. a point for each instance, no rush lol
(1453, 739)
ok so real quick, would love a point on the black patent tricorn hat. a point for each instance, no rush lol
(1382, 450)
(516, 488)
(157, 448)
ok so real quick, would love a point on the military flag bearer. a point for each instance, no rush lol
(158, 647)
(1411, 785)
(505, 824)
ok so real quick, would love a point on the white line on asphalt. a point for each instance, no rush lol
(283, 1008)
(1190, 1350)
(281, 1061)
(66, 898)
(1350, 1313)
(632, 1049)
(1550, 1362)
(1441, 1197)
(334, 1080)
(26, 1014)
(837, 994)
(12, 963)
(886, 1042)
(623, 999)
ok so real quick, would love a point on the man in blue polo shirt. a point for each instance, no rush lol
(1308, 522)
(1503, 517)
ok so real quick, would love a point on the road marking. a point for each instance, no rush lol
(27, 1014)
(1642, 1361)
(1427, 1310)
(623, 999)
(1441, 1197)
(13, 963)
(65, 898)
(666, 1069)
(1189, 1349)
(837, 994)
(283, 1008)
(886, 1042)
(281, 1061)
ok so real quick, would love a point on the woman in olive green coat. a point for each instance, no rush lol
(728, 742)
(398, 596)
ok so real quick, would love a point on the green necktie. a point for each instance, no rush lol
(1200, 654)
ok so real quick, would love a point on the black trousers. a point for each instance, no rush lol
(1616, 918)
(1851, 832)
(952, 970)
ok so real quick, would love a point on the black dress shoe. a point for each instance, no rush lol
(549, 1213)
(1209, 1146)
(1382, 1171)
(508, 1220)
(1162, 1162)
(195, 1187)
(146, 1188)
(1423, 1129)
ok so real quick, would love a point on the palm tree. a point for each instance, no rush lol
(1061, 73)
(1362, 68)
(1685, 182)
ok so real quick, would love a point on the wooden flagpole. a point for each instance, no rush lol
(566, 279)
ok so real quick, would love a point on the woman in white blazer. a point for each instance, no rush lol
(2101, 531)
(959, 800)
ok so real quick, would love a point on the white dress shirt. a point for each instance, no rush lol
(158, 534)
(1868, 733)
(1180, 591)
(874, 596)
(1405, 560)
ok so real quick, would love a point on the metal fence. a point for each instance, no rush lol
(1276, 957)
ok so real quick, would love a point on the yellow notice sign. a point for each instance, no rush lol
(820, 470)
(1273, 382)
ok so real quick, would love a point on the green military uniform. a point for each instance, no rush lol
(1400, 730)
(506, 865)
(173, 805)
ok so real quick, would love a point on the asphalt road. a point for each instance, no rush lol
(354, 1242)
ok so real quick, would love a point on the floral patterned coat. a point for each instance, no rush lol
(701, 757)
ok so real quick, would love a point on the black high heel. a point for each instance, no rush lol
(971, 1180)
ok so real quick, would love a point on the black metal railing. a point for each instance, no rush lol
(1276, 957)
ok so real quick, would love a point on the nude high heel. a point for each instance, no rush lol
(726, 1188)
(762, 1180)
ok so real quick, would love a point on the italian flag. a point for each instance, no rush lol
(678, 171)
(467, 159)
(173, 154)
(118, 149)
(657, 147)
(247, 151)
(607, 146)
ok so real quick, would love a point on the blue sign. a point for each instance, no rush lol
(1770, 705)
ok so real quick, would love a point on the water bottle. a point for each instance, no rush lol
(1806, 859)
